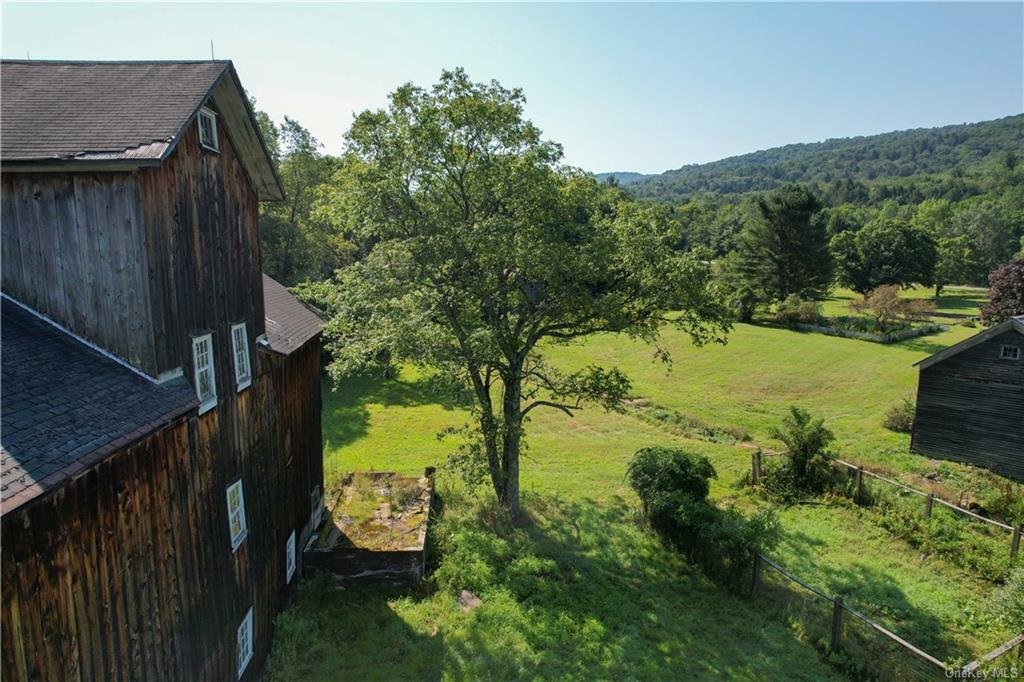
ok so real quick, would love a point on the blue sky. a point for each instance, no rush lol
(622, 86)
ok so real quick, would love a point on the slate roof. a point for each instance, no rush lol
(289, 322)
(65, 406)
(109, 110)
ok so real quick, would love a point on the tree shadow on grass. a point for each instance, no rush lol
(875, 594)
(351, 634)
(592, 594)
(922, 344)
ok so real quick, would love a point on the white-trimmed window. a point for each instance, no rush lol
(1010, 353)
(208, 129)
(236, 514)
(316, 507)
(206, 381)
(240, 349)
(244, 646)
(289, 558)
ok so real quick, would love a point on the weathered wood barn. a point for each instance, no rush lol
(161, 443)
(970, 401)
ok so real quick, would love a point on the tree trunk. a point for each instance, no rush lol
(512, 433)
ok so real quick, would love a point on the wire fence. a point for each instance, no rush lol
(860, 646)
(863, 493)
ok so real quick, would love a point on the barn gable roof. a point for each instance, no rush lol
(1014, 323)
(66, 406)
(289, 322)
(60, 115)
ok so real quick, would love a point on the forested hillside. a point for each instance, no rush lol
(927, 151)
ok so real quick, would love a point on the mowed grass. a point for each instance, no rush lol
(960, 300)
(751, 381)
(617, 604)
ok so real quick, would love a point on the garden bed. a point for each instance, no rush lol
(375, 528)
(887, 337)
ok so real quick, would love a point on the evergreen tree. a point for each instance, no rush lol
(784, 250)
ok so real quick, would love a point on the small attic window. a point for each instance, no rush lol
(208, 129)
(1010, 353)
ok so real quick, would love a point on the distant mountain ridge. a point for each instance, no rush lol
(948, 149)
(623, 177)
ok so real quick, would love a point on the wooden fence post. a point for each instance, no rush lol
(837, 623)
(857, 486)
(1015, 547)
(756, 580)
(755, 466)
(928, 502)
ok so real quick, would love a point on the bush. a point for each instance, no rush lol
(795, 310)
(806, 439)
(900, 417)
(890, 311)
(1009, 600)
(658, 471)
(673, 486)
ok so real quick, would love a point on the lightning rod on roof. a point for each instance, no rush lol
(211, 51)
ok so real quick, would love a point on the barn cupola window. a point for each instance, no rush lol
(208, 129)
(236, 514)
(1010, 353)
(244, 645)
(240, 349)
(206, 383)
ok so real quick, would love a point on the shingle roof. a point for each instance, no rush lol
(66, 406)
(60, 114)
(290, 323)
(56, 110)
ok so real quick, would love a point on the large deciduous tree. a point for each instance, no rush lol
(956, 262)
(484, 249)
(298, 243)
(785, 249)
(886, 251)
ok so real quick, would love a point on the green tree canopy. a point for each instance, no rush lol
(886, 251)
(297, 242)
(484, 248)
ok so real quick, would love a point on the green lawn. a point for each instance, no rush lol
(957, 300)
(598, 593)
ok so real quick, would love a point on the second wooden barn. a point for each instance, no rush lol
(970, 401)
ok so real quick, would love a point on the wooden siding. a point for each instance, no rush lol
(140, 262)
(127, 572)
(73, 249)
(297, 434)
(202, 235)
(970, 408)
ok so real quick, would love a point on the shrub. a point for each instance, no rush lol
(1007, 503)
(673, 486)
(795, 309)
(889, 310)
(659, 471)
(1009, 600)
(806, 439)
(900, 417)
